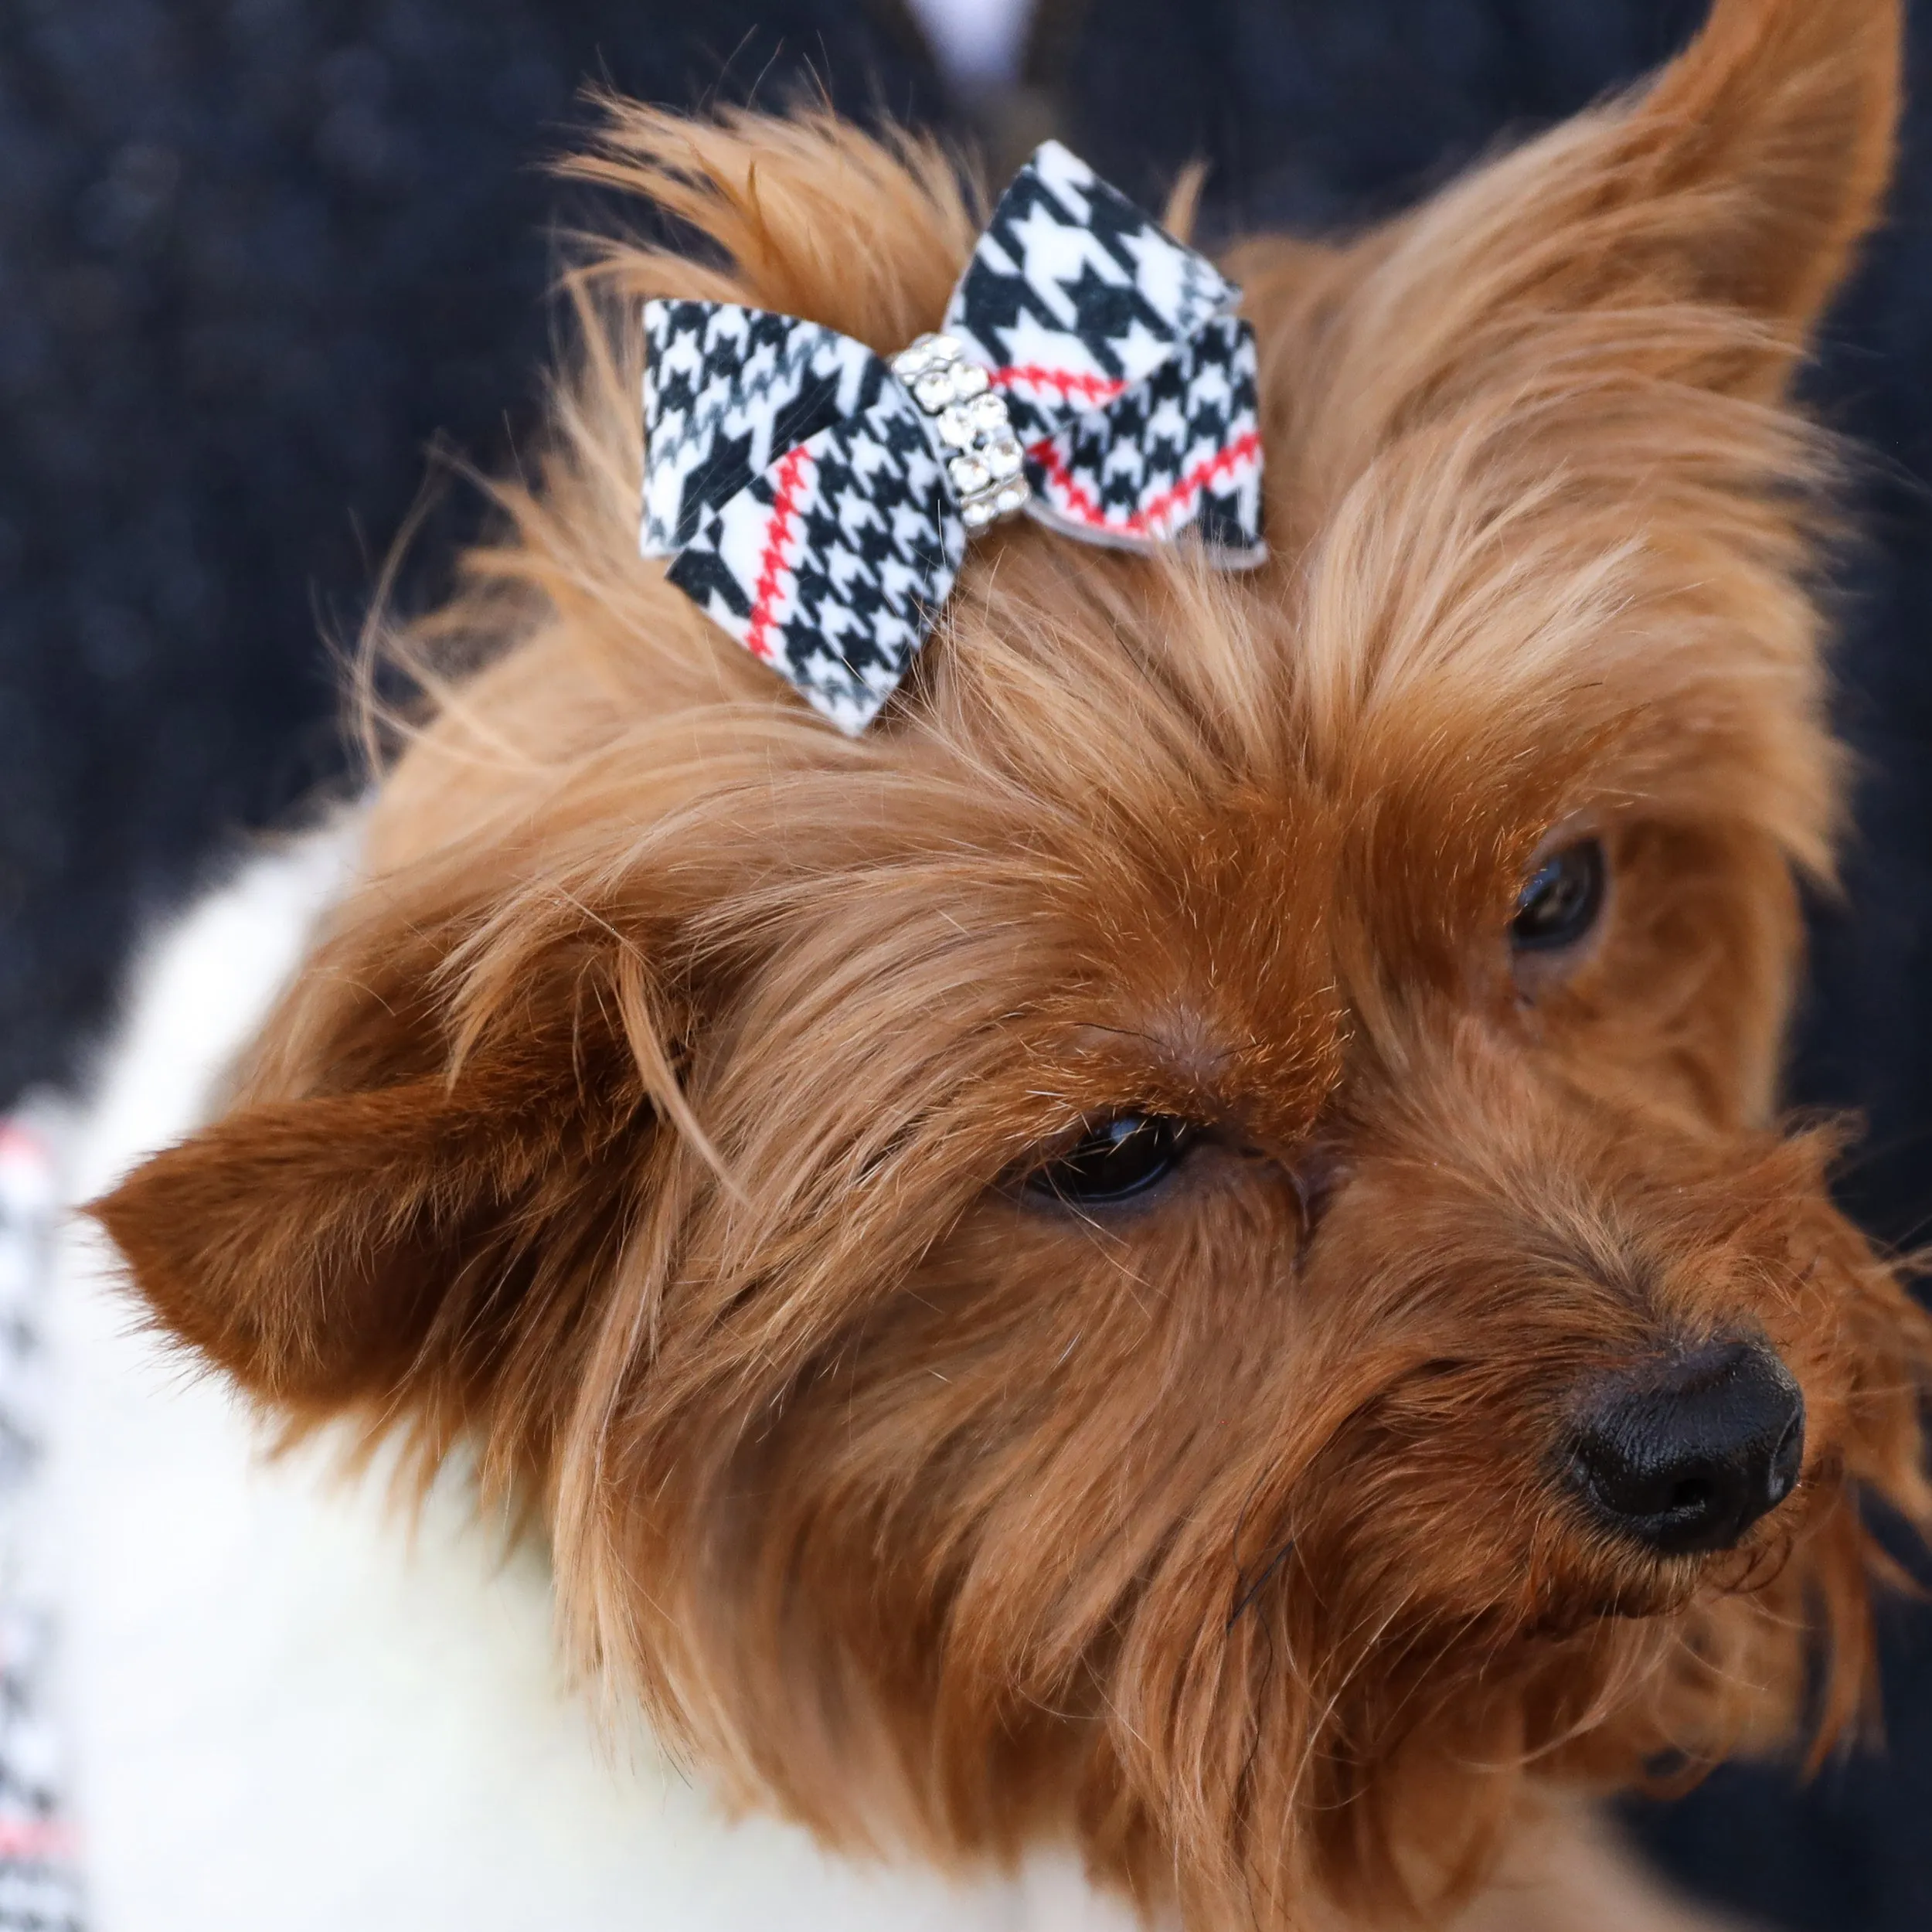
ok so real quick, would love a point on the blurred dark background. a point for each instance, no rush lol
(257, 256)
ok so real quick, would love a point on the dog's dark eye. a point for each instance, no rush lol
(1562, 899)
(1114, 1159)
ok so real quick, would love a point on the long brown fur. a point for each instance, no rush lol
(649, 1116)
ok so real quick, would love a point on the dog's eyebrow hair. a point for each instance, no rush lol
(1202, 1062)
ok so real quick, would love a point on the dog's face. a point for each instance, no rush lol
(1187, 1242)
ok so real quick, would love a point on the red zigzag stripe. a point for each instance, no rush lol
(1243, 450)
(1092, 389)
(793, 469)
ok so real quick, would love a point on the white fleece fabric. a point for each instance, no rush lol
(289, 1712)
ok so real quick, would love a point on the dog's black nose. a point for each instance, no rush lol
(1686, 1455)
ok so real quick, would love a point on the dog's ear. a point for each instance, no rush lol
(1764, 151)
(434, 1151)
(1694, 231)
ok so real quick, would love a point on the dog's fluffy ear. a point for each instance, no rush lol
(1692, 231)
(1773, 136)
(398, 1216)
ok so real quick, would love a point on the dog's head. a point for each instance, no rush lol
(1187, 1242)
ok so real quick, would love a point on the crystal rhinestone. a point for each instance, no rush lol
(970, 379)
(970, 475)
(1011, 498)
(943, 348)
(989, 412)
(978, 514)
(916, 355)
(934, 392)
(956, 428)
(1003, 457)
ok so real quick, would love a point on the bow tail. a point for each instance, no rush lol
(1181, 449)
(831, 565)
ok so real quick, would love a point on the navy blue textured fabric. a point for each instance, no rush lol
(255, 255)
(1315, 114)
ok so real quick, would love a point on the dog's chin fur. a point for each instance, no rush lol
(650, 1117)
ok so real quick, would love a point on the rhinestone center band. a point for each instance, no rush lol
(986, 465)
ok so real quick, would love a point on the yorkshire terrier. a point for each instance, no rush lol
(1181, 1246)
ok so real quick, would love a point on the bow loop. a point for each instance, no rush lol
(727, 391)
(1073, 296)
(829, 564)
(1181, 449)
(817, 501)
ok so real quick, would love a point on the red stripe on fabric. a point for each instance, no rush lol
(1094, 389)
(31, 1839)
(771, 559)
(1244, 449)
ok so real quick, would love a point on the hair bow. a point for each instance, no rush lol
(818, 498)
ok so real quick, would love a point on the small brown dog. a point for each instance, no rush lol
(1183, 1245)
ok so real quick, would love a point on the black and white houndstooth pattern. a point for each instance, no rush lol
(1180, 449)
(804, 493)
(727, 391)
(831, 565)
(794, 480)
(1072, 294)
(39, 1885)
(1127, 375)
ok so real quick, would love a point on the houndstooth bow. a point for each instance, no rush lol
(817, 500)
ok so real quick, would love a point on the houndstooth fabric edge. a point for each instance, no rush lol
(40, 1888)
